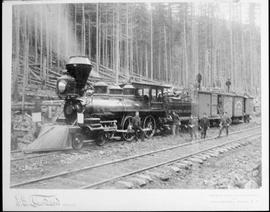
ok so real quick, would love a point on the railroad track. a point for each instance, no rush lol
(100, 174)
(18, 155)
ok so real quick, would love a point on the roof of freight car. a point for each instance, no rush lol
(217, 92)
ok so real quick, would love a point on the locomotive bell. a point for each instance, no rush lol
(79, 67)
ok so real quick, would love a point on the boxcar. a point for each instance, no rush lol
(228, 103)
(238, 108)
(248, 108)
(208, 103)
(204, 104)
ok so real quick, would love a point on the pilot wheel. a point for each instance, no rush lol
(101, 139)
(77, 141)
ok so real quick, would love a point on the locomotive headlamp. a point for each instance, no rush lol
(78, 107)
(62, 84)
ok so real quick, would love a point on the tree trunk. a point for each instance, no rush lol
(25, 59)
(151, 42)
(16, 69)
(185, 54)
(97, 37)
(41, 42)
(89, 39)
(146, 62)
(127, 41)
(166, 54)
(83, 31)
(117, 44)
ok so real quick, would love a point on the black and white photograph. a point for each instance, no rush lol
(135, 105)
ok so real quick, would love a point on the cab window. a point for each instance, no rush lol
(159, 95)
(129, 91)
(154, 94)
(146, 94)
(139, 92)
(116, 91)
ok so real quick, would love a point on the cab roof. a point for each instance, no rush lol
(128, 86)
(100, 83)
(115, 87)
(146, 84)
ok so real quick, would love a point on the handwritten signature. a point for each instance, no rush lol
(37, 200)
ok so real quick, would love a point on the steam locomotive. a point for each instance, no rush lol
(102, 111)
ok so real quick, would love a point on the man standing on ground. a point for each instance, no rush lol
(193, 125)
(225, 122)
(204, 124)
(136, 125)
(176, 123)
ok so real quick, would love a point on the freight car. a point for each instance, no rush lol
(214, 103)
(248, 107)
(102, 111)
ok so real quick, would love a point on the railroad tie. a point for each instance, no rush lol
(229, 147)
(221, 150)
(159, 175)
(201, 157)
(196, 160)
(182, 165)
(139, 181)
(206, 155)
(187, 162)
(125, 184)
(145, 176)
(213, 153)
(175, 168)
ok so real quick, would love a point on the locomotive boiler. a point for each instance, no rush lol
(102, 111)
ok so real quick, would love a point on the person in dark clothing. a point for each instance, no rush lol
(176, 123)
(225, 122)
(204, 125)
(136, 125)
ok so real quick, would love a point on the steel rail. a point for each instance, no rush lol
(119, 160)
(164, 163)
(33, 156)
(55, 151)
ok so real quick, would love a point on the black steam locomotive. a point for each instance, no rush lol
(102, 111)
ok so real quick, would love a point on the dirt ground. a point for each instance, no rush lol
(236, 169)
(92, 154)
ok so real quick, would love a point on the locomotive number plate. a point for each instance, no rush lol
(80, 118)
